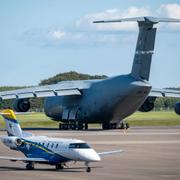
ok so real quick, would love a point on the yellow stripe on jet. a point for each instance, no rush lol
(39, 147)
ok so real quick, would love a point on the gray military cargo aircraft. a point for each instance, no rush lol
(108, 101)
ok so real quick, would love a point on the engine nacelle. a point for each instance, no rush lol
(148, 105)
(21, 105)
(177, 108)
(12, 142)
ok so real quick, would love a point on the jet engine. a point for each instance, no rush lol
(177, 108)
(21, 105)
(11, 141)
(148, 105)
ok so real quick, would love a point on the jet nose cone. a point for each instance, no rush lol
(89, 155)
(97, 158)
(93, 156)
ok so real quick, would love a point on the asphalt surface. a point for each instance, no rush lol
(149, 153)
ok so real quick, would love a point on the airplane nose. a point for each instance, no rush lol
(94, 157)
(89, 155)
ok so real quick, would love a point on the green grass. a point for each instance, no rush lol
(159, 118)
(33, 120)
(154, 118)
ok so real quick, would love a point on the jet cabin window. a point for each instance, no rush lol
(79, 146)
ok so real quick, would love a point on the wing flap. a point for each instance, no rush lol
(42, 93)
(24, 159)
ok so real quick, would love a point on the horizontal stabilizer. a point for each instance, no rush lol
(150, 19)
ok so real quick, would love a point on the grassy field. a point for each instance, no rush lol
(160, 118)
(154, 118)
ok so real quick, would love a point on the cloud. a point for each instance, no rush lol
(57, 35)
(84, 32)
(86, 21)
(170, 11)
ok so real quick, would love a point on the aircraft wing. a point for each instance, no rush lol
(64, 88)
(109, 153)
(24, 159)
(164, 93)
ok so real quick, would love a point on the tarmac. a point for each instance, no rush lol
(148, 153)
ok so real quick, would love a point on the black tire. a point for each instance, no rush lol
(80, 126)
(123, 126)
(86, 126)
(73, 126)
(65, 126)
(59, 166)
(105, 126)
(60, 126)
(88, 169)
(30, 166)
(127, 126)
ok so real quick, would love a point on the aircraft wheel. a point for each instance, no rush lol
(59, 166)
(113, 126)
(86, 126)
(123, 125)
(127, 126)
(65, 126)
(30, 166)
(73, 126)
(88, 169)
(60, 126)
(105, 126)
(80, 126)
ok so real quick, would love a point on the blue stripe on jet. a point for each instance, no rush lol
(12, 120)
(39, 151)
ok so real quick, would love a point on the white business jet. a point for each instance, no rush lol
(46, 150)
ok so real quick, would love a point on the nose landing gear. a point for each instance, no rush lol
(88, 169)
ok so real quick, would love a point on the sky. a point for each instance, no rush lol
(39, 39)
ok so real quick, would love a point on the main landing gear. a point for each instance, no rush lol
(73, 126)
(59, 166)
(30, 166)
(108, 126)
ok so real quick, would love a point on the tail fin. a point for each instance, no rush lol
(145, 43)
(12, 125)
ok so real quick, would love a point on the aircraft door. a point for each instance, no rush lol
(70, 113)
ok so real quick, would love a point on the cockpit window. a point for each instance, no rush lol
(79, 146)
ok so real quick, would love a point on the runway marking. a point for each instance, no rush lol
(132, 142)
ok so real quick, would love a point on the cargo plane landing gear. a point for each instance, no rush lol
(108, 125)
(59, 166)
(73, 126)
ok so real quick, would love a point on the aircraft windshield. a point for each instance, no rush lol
(79, 146)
